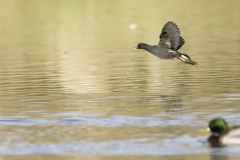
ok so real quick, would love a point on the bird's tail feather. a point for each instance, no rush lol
(186, 59)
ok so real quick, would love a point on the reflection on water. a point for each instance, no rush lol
(99, 124)
(72, 84)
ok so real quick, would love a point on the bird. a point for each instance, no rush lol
(169, 44)
(221, 134)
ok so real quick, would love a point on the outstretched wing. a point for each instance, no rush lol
(170, 36)
(181, 43)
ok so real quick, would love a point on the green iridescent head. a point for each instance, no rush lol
(218, 126)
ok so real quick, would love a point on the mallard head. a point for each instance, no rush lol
(217, 126)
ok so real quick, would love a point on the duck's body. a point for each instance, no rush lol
(169, 44)
(221, 134)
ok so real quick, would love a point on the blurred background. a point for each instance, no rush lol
(71, 83)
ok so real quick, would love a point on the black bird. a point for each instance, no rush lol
(169, 44)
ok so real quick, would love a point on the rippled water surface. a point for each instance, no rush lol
(71, 85)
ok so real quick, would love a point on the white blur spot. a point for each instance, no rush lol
(133, 26)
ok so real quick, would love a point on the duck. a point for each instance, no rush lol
(221, 134)
(169, 44)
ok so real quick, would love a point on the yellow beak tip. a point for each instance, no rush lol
(206, 131)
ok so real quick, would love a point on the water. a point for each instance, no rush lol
(72, 85)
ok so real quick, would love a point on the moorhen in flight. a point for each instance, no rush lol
(169, 44)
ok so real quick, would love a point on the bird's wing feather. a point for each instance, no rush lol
(181, 43)
(170, 36)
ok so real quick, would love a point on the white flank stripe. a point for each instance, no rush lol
(169, 50)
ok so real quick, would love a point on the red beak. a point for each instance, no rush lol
(136, 47)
